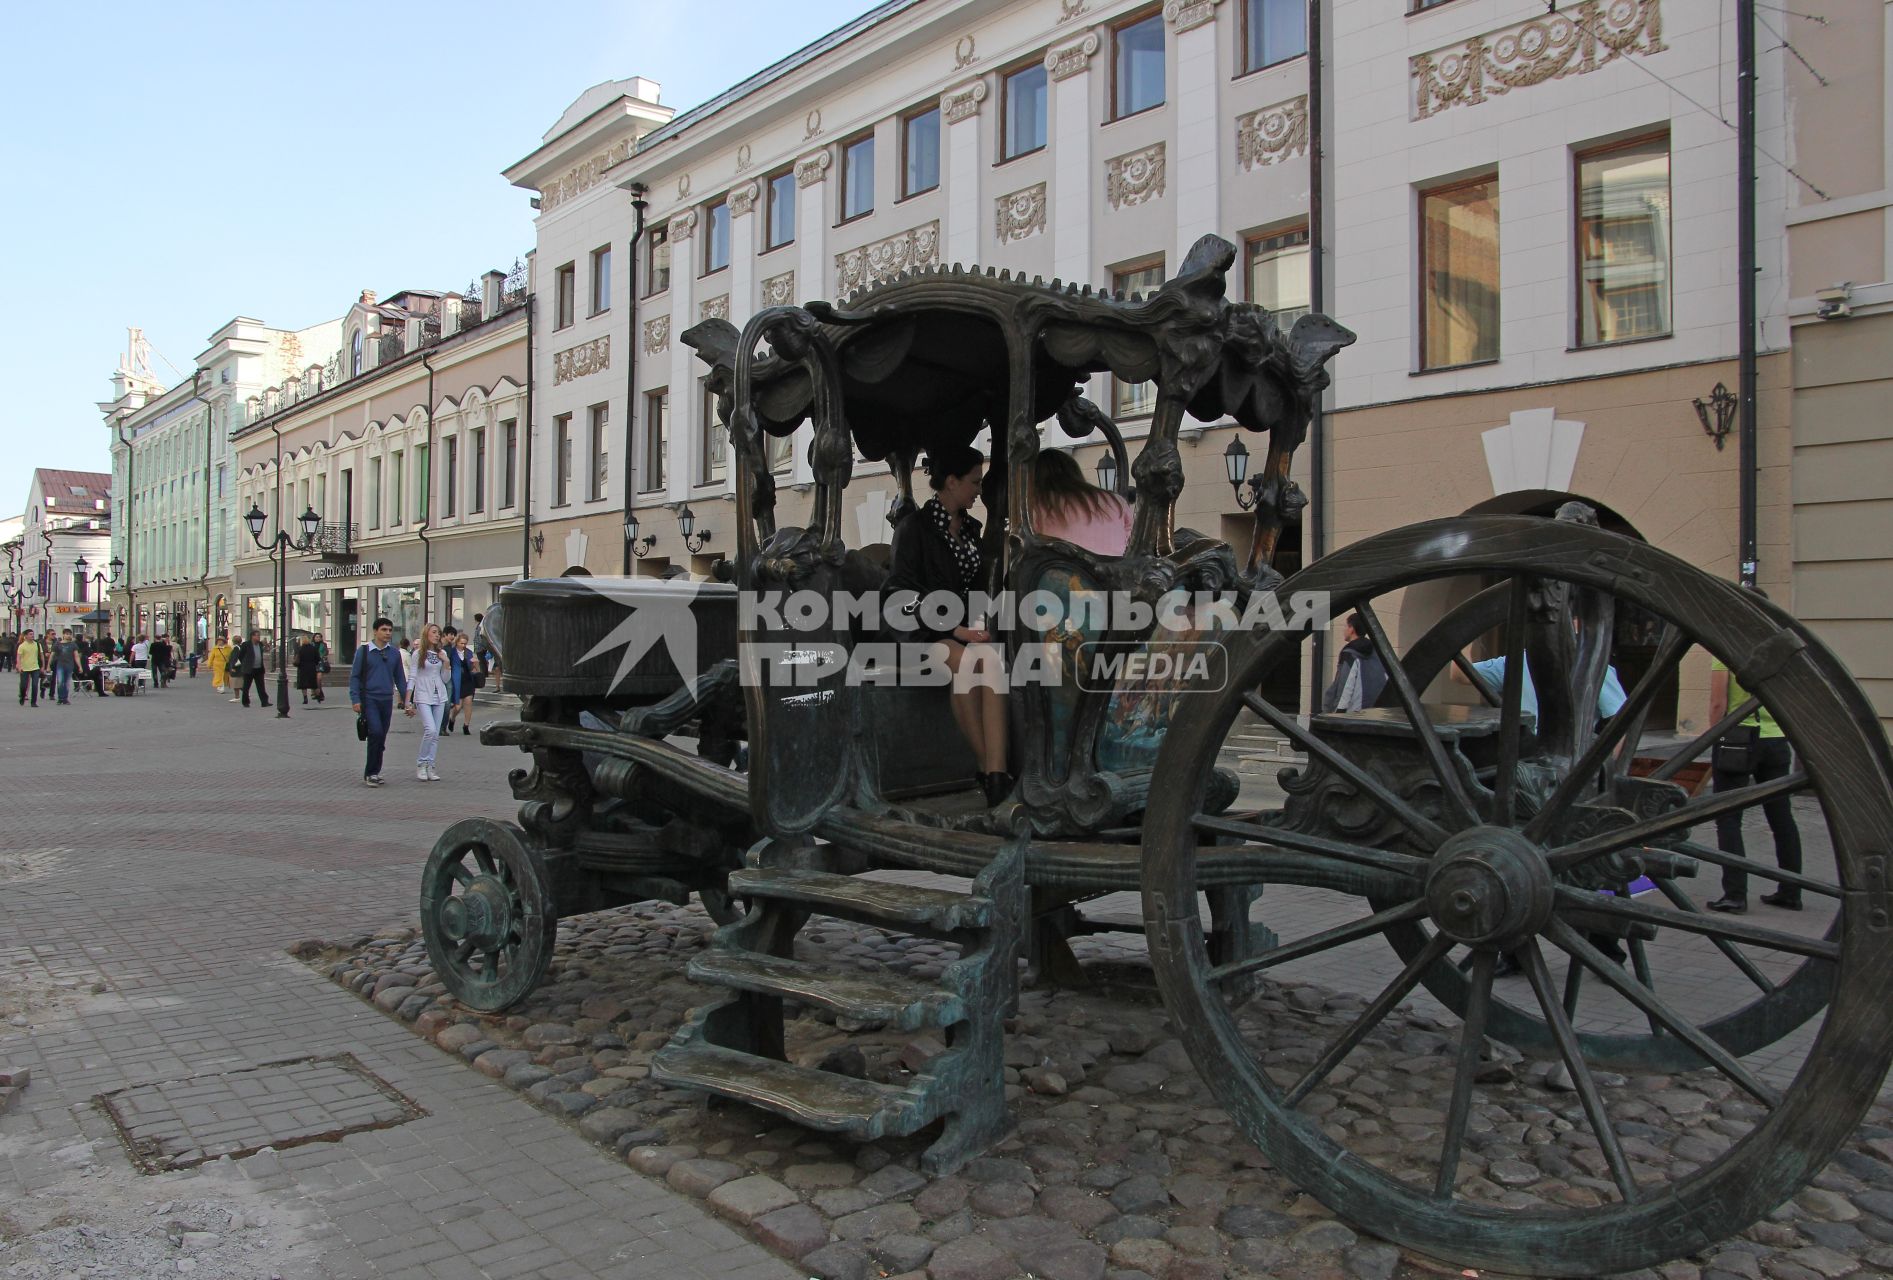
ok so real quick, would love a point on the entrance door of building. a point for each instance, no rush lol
(348, 626)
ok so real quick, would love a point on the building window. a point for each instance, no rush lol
(397, 475)
(716, 237)
(1273, 31)
(561, 459)
(1137, 66)
(920, 152)
(1022, 110)
(601, 279)
(857, 177)
(657, 260)
(713, 450)
(656, 440)
(1135, 399)
(779, 210)
(1278, 275)
(78, 587)
(476, 461)
(567, 278)
(355, 355)
(778, 451)
(322, 494)
(509, 464)
(1459, 273)
(1623, 242)
(450, 478)
(426, 478)
(600, 456)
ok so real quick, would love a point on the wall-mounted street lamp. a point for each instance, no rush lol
(687, 525)
(640, 547)
(1717, 413)
(1236, 468)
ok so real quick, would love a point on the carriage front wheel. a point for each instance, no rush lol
(487, 914)
(1495, 836)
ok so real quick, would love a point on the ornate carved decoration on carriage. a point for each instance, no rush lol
(779, 291)
(717, 308)
(1573, 43)
(810, 170)
(963, 54)
(682, 225)
(963, 103)
(885, 259)
(1073, 58)
(1187, 15)
(585, 358)
(1535, 450)
(1134, 178)
(1272, 134)
(1020, 214)
(656, 335)
(742, 199)
(582, 177)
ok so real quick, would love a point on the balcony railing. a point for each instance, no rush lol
(334, 541)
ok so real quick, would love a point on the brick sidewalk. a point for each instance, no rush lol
(159, 854)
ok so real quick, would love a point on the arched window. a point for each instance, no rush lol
(355, 355)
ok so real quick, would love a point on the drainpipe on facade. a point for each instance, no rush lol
(631, 370)
(131, 497)
(525, 501)
(203, 583)
(427, 500)
(1745, 279)
(1315, 521)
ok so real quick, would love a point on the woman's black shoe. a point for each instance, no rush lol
(997, 787)
(1783, 899)
(1730, 906)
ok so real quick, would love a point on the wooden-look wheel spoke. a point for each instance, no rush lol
(459, 872)
(1736, 860)
(1539, 976)
(1511, 703)
(1573, 943)
(1429, 832)
(1326, 940)
(1583, 776)
(1573, 985)
(1477, 679)
(1393, 860)
(1640, 965)
(1712, 927)
(1460, 808)
(1648, 830)
(1471, 1048)
(464, 951)
(1680, 896)
(1370, 1018)
(1710, 736)
(484, 856)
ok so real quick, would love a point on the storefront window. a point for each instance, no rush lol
(259, 614)
(308, 613)
(401, 606)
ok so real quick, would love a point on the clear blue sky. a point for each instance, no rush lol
(173, 165)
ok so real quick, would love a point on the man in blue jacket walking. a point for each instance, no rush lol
(375, 678)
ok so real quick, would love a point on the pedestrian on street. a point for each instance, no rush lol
(1754, 751)
(250, 652)
(8, 643)
(483, 650)
(65, 658)
(429, 694)
(140, 650)
(191, 658)
(466, 679)
(309, 669)
(1359, 674)
(220, 664)
(376, 681)
(163, 661)
(26, 658)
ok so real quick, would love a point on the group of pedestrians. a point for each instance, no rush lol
(51, 664)
(434, 679)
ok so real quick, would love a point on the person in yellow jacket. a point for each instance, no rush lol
(219, 663)
(27, 659)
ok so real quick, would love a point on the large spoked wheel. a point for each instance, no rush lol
(1513, 854)
(487, 914)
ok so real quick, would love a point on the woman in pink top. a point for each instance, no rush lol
(1067, 506)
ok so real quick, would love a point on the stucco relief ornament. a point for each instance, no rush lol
(717, 308)
(1574, 43)
(884, 259)
(656, 335)
(779, 291)
(743, 156)
(683, 186)
(963, 104)
(1020, 214)
(812, 122)
(1187, 15)
(963, 55)
(586, 357)
(742, 199)
(1134, 178)
(1272, 134)
(810, 170)
(1073, 58)
(1070, 9)
(682, 224)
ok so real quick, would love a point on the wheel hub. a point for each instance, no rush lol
(1490, 887)
(482, 915)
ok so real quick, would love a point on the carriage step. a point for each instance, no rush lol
(867, 901)
(895, 1001)
(811, 1097)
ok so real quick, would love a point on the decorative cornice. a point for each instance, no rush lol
(1187, 15)
(1134, 178)
(779, 291)
(656, 335)
(1272, 134)
(581, 178)
(1073, 58)
(962, 103)
(884, 259)
(810, 170)
(742, 199)
(682, 224)
(1574, 43)
(717, 308)
(585, 358)
(1020, 214)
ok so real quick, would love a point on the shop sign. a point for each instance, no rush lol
(360, 569)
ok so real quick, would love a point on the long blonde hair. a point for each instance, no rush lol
(430, 642)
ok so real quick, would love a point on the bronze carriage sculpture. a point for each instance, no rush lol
(1464, 833)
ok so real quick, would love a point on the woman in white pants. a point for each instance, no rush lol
(429, 694)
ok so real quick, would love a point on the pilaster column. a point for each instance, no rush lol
(814, 273)
(1072, 179)
(959, 117)
(686, 258)
(1197, 190)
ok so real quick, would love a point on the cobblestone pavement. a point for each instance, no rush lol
(157, 856)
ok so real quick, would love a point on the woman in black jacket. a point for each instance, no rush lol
(936, 552)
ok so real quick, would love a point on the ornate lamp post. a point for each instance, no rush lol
(639, 547)
(279, 548)
(100, 580)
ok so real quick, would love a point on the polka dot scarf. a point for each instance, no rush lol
(965, 547)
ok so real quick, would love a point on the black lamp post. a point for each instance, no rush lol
(100, 579)
(1236, 468)
(279, 548)
(639, 547)
(687, 525)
